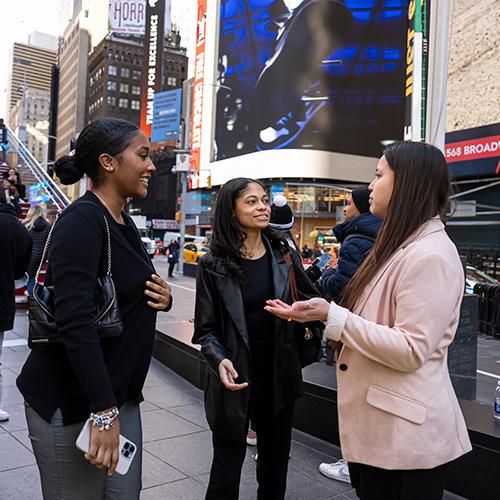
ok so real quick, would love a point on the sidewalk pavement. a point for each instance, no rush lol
(177, 442)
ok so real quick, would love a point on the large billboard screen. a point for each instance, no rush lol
(324, 75)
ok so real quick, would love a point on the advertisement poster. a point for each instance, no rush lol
(166, 115)
(127, 16)
(198, 82)
(328, 75)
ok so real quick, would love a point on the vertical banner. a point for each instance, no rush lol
(197, 97)
(416, 62)
(152, 61)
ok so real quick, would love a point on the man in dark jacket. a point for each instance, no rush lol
(356, 235)
(15, 252)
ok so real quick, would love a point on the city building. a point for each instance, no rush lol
(87, 27)
(115, 72)
(29, 120)
(31, 69)
(184, 21)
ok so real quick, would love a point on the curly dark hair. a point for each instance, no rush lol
(228, 236)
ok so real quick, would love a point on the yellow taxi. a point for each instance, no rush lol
(193, 251)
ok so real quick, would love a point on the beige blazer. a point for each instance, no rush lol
(397, 407)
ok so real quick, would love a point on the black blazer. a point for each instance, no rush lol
(220, 328)
(15, 251)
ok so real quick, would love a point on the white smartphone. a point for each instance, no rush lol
(127, 448)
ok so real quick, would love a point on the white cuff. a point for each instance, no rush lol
(335, 322)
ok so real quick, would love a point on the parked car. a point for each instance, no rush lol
(475, 276)
(149, 245)
(193, 251)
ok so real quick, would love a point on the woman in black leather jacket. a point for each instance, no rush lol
(253, 360)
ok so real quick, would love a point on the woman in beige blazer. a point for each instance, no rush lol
(400, 422)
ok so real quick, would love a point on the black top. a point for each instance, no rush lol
(39, 233)
(257, 289)
(15, 251)
(84, 373)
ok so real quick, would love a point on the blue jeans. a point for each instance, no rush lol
(64, 472)
(30, 285)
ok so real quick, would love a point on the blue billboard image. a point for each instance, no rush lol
(166, 115)
(311, 74)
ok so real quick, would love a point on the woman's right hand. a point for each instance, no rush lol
(104, 447)
(228, 375)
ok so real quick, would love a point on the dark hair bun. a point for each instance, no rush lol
(67, 170)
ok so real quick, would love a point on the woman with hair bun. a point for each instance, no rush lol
(63, 384)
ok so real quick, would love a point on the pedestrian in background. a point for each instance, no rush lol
(12, 175)
(85, 377)
(282, 219)
(37, 224)
(254, 367)
(15, 251)
(173, 257)
(4, 141)
(399, 418)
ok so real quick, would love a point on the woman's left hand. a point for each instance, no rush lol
(302, 311)
(158, 290)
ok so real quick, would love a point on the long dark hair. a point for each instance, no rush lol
(104, 135)
(228, 236)
(421, 190)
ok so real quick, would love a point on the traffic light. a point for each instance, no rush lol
(178, 216)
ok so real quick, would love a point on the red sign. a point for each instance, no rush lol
(197, 95)
(473, 149)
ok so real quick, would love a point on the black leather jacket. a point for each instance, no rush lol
(220, 328)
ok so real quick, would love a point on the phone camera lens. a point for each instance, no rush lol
(126, 454)
(126, 446)
(132, 448)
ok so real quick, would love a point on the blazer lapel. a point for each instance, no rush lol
(230, 292)
(280, 270)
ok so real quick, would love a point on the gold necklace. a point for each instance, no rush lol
(119, 221)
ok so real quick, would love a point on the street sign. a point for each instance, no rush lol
(183, 162)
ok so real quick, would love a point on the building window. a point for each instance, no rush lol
(111, 85)
(172, 81)
(136, 75)
(123, 103)
(111, 100)
(135, 105)
(112, 70)
(136, 90)
(124, 87)
(125, 72)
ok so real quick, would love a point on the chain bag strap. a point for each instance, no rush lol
(309, 336)
(42, 324)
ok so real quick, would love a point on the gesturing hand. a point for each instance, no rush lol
(303, 311)
(160, 291)
(228, 375)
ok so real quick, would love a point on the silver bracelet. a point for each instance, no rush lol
(104, 420)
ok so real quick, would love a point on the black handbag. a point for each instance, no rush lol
(42, 324)
(309, 336)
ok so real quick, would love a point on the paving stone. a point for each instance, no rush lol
(161, 424)
(20, 484)
(167, 396)
(11, 396)
(190, 454)
(186, 489)
(17, 420)
(8, 377)
(194, 413)
(13, 454)
(23, 438)
(148, 406)
(156, 472)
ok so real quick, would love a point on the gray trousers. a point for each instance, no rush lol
(64, 472)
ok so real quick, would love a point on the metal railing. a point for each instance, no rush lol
(59, 199)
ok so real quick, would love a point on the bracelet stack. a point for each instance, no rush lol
(104, 420)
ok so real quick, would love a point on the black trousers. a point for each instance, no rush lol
(372, 483)
(274, 436)
(171, 266)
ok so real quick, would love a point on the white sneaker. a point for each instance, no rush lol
(4, 415)
(337, 470)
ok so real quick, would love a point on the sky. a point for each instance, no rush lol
(18, 21)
